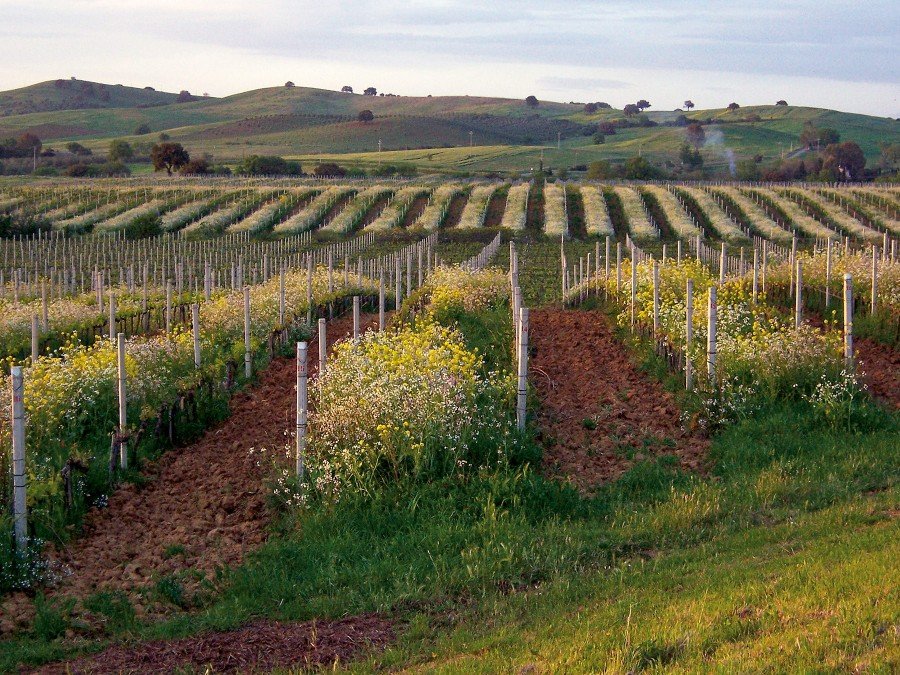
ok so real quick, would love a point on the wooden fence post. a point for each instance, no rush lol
(20, 504)
(123, 400)
(522, 393)
(848, 320)
(711, 336)
(302, 401)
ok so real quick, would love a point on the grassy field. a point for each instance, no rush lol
(314, 124)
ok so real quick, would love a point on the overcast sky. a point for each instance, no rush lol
(829, 53)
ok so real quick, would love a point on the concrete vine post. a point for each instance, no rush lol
(20, 503)
(355, 317)
(711, 336)
(302, 402)
(195, 331)
(848, 320)
(522, 386)
(123, 401)
(323, 346)
(688, 334)
(722, 261)
(248, 357)
(35, 339)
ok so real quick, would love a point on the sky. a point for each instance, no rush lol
(825, 53)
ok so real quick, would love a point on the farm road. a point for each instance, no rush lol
(599, 414)
(203, 507)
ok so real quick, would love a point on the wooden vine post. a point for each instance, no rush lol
(195, 331)
(20, 504)
(655, 299)
(302, 402)
(35, 339)
(323, 346)
(828, 273)
(112, 316)
(355, 317)
(381, 302)
(798, 296)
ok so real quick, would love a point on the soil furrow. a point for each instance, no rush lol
(599, 414)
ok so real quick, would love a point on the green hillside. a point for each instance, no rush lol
(434, 132)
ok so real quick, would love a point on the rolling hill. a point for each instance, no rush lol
(434, 132)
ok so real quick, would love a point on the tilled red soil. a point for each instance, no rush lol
(599, 414)
(879, 366)
(258, 647)
(202, 508)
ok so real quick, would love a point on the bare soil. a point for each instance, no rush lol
(415, 210)
(599, 413)
(879, 366)
(496, 206)
(455, 209)
(258, 647)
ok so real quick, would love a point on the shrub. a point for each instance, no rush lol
(143, 227)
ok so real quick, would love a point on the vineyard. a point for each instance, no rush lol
(262, 423)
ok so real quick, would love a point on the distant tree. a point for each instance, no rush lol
(78, 149)
(268, 165)
(347, 89)
(599, 139)
(120, 151)
(748, 170)
(890, 155)
(643, 104)
(638, 168)
(195, 167)
(288, 84)
(169, 156)
(690, 157)
(603, 105)
(329, 170)
(689, 104)
(370, 91)
(142, 129)
(149, 89)
(184, 96)
(630, 110)
(845, 160)
(607, 128)
(818, 137)
(590, 108)
(531, 101)
(365, 116)
(781, 102)
(694, 134)
(28, 142)
(163, 136)
(733, 106)
(600, 170)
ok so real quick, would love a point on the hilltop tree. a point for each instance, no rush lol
(733, 106)
(689, 105)
(370, 91)
(120, 151)
(168, 156)
(531, 101)
(288, 84)
(184, 96)
(590, 108)
(365, 116)
(694, 134)
(781, 102)
(347, 89)
(844, 160)
(643, 104)
(630, 110)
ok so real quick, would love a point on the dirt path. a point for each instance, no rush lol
(258, 647)
(204, 507)
(599, 414)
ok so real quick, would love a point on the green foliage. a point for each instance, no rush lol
(264, 165)
(120, 151)
(142, 227)
(114, 607)
(51, 619)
